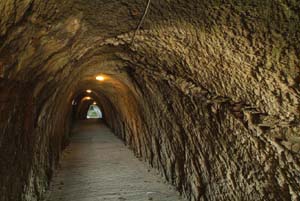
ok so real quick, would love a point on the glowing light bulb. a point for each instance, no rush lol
(100, 78)
(94, 103)
(88, 98)
(89, 91)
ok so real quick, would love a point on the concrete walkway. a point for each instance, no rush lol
(98, 167)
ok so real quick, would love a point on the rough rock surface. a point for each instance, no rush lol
(208, 93)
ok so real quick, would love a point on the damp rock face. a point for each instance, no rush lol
(208, 93)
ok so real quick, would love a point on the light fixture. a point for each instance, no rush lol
(100, 78)
(94, 103)
(88, 91)
(88, 98)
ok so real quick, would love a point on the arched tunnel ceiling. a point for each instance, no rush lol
(57, 46)
(208, 93)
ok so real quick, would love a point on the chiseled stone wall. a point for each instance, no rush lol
(208, 93)
(17, 138)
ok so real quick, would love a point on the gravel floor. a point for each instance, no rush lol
(97, 167)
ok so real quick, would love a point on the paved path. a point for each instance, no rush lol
(98, 167)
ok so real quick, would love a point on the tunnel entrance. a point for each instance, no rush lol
(94, 112)
(87, 105)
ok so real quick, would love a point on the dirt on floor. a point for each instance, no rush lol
(97, 166)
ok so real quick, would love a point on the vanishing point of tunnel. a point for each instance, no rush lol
(136, 100)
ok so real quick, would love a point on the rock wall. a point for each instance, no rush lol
(208, 93)
(16, 138)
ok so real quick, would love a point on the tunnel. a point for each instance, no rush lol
(204, 92)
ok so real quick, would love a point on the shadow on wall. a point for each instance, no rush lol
(17, 113)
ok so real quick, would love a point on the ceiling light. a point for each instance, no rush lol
(94, 103)
(89, 91)
(100, 78)
(88, 98)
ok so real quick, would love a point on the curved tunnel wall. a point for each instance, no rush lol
(208, 93)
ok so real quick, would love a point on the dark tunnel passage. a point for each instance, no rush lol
(207, 92)
(84, 104)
